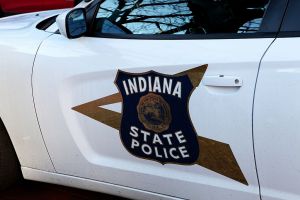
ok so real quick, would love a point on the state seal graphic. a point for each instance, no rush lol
(154, 113)
(155, 123)
(155, 120)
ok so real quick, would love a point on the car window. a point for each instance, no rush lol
(179, 16)
(291, 24)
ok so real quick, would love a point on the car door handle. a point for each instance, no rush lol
(222, 81)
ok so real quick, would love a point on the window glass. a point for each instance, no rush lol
(180, 16)
(291, 22)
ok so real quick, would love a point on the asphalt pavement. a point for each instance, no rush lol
(29, 190)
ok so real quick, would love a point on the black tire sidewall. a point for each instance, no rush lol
(10, 171)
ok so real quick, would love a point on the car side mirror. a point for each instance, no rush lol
(72, 24)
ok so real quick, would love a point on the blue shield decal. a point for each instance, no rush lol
(155, 122)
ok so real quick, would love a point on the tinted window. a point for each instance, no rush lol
(180, 16)
(291, 21)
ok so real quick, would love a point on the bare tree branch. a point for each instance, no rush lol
(163, 3)
(178, 29)
(106, 9)
(128, 11)
(161, 23)
(117, 11)
(157, 16)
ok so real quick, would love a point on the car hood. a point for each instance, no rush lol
(26, 20)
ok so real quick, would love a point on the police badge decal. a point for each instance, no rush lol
(155, 120)
(155, 123)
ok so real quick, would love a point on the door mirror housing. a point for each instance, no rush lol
(72, 24)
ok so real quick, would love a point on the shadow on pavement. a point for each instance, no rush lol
(29, 190)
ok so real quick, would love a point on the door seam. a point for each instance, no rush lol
(34, 104)
(254, 94)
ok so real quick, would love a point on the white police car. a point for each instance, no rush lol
(154, 99)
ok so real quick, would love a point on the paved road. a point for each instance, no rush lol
(28, 190)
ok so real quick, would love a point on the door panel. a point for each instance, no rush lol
(72, 73)
(276, 121)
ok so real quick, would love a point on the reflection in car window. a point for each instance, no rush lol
(181, 16)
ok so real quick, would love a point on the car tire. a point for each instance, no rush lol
(1, 12)
(10, 171)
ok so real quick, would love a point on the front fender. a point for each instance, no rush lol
(17, 53)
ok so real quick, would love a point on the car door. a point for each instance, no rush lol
(163, 106)
(276, 113)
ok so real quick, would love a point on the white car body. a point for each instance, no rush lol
(247, 92)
